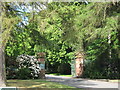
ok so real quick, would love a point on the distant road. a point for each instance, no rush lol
(83, 83)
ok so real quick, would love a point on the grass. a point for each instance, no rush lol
(57, 74)
(116, 81)
(38, 83)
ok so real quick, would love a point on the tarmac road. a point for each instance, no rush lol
(83, 83)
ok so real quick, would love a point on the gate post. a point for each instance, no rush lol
(41, 59)
(79, 64)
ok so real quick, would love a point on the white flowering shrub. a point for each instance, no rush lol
(28, 66)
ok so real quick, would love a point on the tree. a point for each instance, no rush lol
(25, 36)
(100, 23)
(65, 28)
(83, 24)
(8, 19)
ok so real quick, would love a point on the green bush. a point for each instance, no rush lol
(64, 68)
(24, 73)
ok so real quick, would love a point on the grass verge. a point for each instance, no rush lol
(115, 81)
(57, 74)
(38, 83)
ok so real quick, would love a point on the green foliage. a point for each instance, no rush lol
(101, 53)
(51, 23)
(18, 45)
(65, 28)
(96, 48)
(8, 19)
(24, 73)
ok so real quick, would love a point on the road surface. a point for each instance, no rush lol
(83, 83)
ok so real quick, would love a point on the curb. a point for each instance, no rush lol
(104, 80)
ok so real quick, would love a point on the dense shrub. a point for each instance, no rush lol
(97, 70)
(24, 73)
(102, 61)
(24, 67)
(28, 67)
(64, 68)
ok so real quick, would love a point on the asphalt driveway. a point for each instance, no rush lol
(83, 83)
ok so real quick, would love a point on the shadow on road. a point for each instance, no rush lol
(82, 83)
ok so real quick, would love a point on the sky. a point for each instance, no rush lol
(28, 9)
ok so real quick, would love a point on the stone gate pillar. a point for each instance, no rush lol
(41, 59)
(79, 64)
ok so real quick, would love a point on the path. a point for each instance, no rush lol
(82, 83)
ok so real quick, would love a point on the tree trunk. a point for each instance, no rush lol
(2, 59)
(2, 68)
